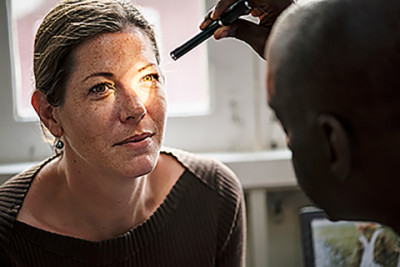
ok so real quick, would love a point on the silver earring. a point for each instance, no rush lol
(59, 144)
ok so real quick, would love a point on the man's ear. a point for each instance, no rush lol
(46, 113)
(339, 145)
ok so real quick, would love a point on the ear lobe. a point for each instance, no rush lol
(339, 145)
(46, 113)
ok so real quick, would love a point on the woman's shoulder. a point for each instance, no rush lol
(22, 180)
(12, 194)
(14, 190)
(15, 187)
(208, 170)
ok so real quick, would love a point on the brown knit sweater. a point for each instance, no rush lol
(200, 223)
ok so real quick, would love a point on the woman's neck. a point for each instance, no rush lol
(108, 205)
(93, 206)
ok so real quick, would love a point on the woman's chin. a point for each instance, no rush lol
(141, 167)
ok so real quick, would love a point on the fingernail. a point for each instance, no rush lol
(212, 15)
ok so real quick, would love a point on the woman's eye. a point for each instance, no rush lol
(150, 77)
(101, 88)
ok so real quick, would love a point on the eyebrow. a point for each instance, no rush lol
(104, 74)
(109, 74)
(147, 66)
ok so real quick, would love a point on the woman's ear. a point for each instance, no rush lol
(46, 113)
(339, 145)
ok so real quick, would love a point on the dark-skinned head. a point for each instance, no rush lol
(333, 80)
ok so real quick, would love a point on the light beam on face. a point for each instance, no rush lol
(142, 91)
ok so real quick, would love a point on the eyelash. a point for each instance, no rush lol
(93, 89)
(154, 76)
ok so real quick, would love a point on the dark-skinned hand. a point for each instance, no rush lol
(256, 35)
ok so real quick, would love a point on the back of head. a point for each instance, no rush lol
(69, 24)
(342, 56)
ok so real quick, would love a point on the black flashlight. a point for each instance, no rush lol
(231, 14)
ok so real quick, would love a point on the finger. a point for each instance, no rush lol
(225, 31)
(269, 19)
(251, 33)
(256, 12)
(220, 7)
(207, 20)
(271, 13)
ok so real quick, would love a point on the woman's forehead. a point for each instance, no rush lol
(118, 42)
(111, 50)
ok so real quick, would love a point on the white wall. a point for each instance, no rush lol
(19, 141)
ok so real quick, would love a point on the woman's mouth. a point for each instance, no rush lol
(136, 140)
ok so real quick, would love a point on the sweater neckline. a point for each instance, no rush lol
(111, 250)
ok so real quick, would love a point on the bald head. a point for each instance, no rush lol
(334, 83)
(340, 56)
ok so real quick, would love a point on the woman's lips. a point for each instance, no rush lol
(136, 139)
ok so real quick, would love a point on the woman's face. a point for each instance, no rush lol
(114, 112)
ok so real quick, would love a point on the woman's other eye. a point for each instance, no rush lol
(151, 77)
(102, 88)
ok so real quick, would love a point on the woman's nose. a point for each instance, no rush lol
(132, 108)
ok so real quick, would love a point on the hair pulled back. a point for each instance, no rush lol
(70, 23)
